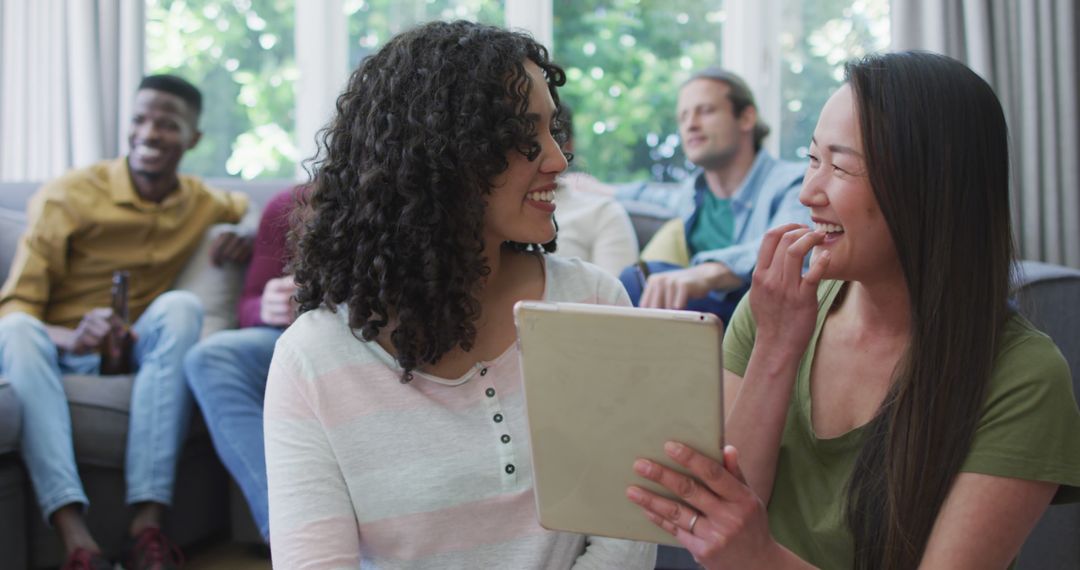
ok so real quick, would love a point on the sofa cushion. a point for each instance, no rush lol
(15, 195)
(218, 288)
(100, 408)
(10, 418)
(99, 417)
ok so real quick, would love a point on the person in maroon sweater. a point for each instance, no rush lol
(227, 370)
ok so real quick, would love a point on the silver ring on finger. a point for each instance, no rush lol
(693, 521)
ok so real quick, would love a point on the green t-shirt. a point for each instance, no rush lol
(714, 225)
(1029, 429)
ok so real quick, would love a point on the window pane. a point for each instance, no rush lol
(625, 60)
(818, 37)
(240, 54)
(372, 22)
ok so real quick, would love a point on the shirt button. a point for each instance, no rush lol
(483, 371)
(505, 438)
(490, 392)
(510, 469)
(497, 418)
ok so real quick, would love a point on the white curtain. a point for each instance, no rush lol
(68, 70)
(1028, 51)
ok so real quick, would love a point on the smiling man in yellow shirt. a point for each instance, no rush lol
(137, 214)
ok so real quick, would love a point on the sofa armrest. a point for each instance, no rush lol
(647, 218)
(10, 418)
(1047, 295)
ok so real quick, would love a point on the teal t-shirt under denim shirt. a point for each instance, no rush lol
(714, 227)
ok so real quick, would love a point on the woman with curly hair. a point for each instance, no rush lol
(395, 429)
(893, 411)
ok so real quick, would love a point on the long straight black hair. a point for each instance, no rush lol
(936, 148)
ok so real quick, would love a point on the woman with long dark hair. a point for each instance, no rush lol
(395, 428)
(890, 410)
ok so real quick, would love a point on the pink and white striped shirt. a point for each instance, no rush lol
(367, 472)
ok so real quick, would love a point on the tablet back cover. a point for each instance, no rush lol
(604, 386)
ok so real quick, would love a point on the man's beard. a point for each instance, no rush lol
(719, 159)
(148, 175)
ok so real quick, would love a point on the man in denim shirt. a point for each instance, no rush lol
(740, 192)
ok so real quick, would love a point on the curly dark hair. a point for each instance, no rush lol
(393, 225)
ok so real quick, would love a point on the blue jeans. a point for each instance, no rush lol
(719, 303)
(161, 403)
(227, 373)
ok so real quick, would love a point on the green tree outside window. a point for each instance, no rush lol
(818, 37)
(625, 61)
(240, 53)
(372, 22)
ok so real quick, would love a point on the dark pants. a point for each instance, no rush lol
(719, 303)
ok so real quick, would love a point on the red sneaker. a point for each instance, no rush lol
(151, 550)
(83, 559)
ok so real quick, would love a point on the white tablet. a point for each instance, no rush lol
(606, 385)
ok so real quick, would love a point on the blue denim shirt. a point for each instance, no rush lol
(768, 197)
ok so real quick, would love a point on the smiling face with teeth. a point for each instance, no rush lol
(521, 205)
(842, 204)
(162, 129)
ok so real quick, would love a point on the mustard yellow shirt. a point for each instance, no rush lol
(91, 222)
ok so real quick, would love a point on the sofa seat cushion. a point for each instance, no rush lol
(10, 418)
(99, 417)
(99, 408)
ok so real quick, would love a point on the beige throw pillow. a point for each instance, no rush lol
(218, 288)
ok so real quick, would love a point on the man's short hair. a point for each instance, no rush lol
(177, 86)
(740, 96)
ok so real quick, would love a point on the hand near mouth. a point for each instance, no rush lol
(784, 299)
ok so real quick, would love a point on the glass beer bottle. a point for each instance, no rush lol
(116, 347)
